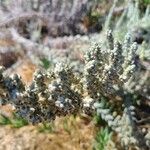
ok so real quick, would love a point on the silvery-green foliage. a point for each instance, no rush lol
(49, 94)
(107, 69)
(107, 74)
(65, 90)
(104, 72)
(118, 123)
(134, 21)
(59, 92)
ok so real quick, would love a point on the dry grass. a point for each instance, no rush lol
(69, 134)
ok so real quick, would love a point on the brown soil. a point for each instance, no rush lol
(78, 136)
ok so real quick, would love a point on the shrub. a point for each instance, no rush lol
(102, 88)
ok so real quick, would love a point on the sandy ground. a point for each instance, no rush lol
(78, 136)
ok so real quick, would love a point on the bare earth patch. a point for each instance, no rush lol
(75, 134)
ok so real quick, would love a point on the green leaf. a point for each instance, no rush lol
(102, 138)
(45, 63)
